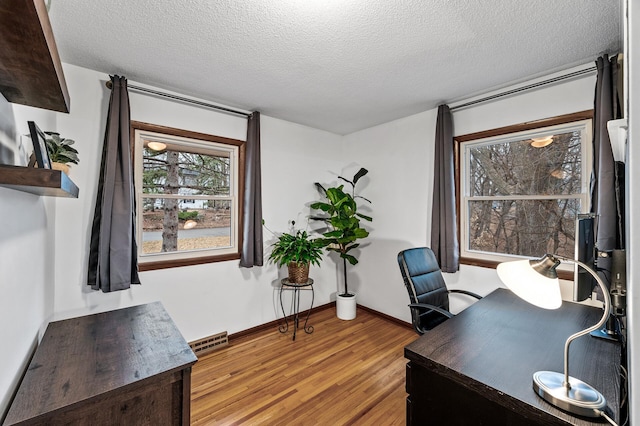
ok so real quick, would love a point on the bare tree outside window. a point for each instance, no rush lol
(181, 175)
(521, 193)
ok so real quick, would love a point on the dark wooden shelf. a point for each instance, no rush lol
(30, 68)
(38, 181)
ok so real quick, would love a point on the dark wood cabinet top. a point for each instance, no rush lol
(30, 68)
(496, 345)
(95, 356)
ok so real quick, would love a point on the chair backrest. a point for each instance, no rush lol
(425, 284)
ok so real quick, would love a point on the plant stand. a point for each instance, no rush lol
(284, 285)
(346, 306)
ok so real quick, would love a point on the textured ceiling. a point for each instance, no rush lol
(337, 65)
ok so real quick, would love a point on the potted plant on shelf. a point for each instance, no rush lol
(343, 222)
(298, 251)
(61, 153)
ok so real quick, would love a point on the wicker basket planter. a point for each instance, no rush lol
(298, 251)
(298, 273)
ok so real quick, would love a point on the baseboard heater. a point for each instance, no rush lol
(209, 344)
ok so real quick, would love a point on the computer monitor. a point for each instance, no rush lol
(585, 252)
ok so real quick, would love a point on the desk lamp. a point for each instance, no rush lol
(536, 281)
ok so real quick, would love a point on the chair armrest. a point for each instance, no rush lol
(426, 306)
(468, 293)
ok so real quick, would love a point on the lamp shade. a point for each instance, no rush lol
(530, 285)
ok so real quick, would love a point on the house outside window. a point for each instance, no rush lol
(187, 196)
(522, 187)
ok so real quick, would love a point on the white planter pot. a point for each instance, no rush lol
(346, 307)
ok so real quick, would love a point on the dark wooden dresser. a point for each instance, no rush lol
(477, 368)
(125, 367)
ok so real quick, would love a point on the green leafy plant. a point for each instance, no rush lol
(298, 248)
(60, 149)
(343, 220)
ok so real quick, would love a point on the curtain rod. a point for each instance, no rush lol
(525, 88)
(182, 99)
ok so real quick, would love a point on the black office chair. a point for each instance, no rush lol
(428, 292)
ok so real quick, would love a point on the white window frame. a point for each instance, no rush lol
(584, 126)
(233, 150)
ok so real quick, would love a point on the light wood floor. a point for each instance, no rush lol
(344, 373)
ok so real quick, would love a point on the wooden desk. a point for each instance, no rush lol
(125, 367)
(476, 368)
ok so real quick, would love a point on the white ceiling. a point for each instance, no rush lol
(337, 65)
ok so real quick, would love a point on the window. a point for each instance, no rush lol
(522, 187)
(187, 196)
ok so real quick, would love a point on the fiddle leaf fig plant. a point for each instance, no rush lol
(343, 220)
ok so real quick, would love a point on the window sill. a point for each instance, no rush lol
(165, 264)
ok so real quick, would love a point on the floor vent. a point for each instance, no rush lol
(209, 344)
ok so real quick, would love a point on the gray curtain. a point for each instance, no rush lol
(113, 255)
(252, 250)
(604, 203)
(444, 232)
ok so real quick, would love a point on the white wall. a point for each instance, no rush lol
(27, 258)
(399, 156)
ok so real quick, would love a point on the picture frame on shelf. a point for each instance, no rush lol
(38, 139)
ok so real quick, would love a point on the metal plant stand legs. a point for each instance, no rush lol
(283, 328)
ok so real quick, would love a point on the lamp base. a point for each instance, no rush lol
(581, 399)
